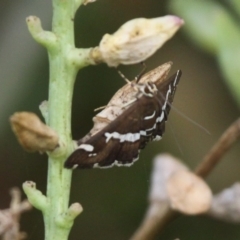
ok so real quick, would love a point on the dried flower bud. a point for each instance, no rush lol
(225, 205)
(174, 184)
(32, 134)
(137, 39)
(164, 166)
(188, 193)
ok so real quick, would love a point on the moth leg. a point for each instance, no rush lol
(100, 108)
(138, 77)
(128, 103)
(143, 71)
(124, 78)
(114, 105)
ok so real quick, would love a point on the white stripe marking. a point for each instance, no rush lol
(159, 119)
(130, 137)
(117, 163)
(142, 89)
(176, 78)
(166, 99)
(86, 147)
(157, 138)
(92, 154)
(96, 165)
(150, 129)
(74, 166)
(151, 116)
(143, 133)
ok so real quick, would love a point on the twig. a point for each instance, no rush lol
(159, 213)
(229, 137)
(156, 220)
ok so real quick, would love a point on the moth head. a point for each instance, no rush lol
(147, 89)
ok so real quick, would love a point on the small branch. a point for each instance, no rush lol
(160, 214)
(46, 38)
(35, 197)
(66, 221)
(81, 57)
(157, 217)
(228, 138)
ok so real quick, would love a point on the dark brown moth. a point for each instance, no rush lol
(120, 140)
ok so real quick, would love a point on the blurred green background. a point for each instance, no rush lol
(114, 200)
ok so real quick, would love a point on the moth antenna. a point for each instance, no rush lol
(184, 115)
(189, 119)
(123, 76)
(129, 82)
(128, 103)
(175, 137)
(139, 76)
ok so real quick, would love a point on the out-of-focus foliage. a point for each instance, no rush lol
(215, 29)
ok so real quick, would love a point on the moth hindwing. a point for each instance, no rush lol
(119, 142)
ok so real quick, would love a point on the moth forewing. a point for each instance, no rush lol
(126, 94)
(116, 144)
(119, 142)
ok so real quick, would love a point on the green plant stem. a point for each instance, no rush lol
(62, 77)
(59, 117)
(65, 61)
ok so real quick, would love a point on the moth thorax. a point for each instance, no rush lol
(148, 89)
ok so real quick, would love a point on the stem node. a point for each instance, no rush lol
(45, 38)
(35, 197)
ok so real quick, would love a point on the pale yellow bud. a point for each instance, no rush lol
(188, 193)
(32, 133)
(177, 186)
(137, 39)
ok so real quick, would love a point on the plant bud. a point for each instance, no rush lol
(32, 134)
(138, 39)
(188, 193)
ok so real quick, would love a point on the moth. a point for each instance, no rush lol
(119, 137)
